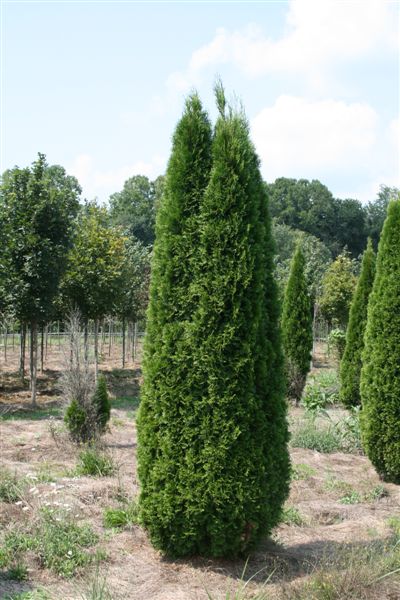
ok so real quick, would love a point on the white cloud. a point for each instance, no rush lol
(318, 33)
(101, 183)
(326, 139)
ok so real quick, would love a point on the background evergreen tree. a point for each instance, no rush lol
(168, 356)
(350, 366)
(101, 403)
(297, 335)
(380, 373)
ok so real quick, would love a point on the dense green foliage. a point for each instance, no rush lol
(317, 256)
(38, 206)
(102, 404)
(297, 335)
(78, 423)
(134, 208)
(310, 206)
(380, 380)
(212, 427)
(93, 276)
(350, 366)
(168, 363)
(337, 291)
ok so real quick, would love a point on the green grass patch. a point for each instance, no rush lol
(12, 487)
(292, 516)
(58, 543)
(31, 595)
(126, 403)
(121, 517)
(38, 414)
(302, 471)
(95, 463)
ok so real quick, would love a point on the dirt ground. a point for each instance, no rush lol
(133, 569)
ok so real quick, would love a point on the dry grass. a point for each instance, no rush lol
(333, 552)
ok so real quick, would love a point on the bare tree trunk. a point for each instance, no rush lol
(123, 342)
(58, 335)
(86, 342)
(41, 348)
(110, 330)
(135, 342)
(5, 343)
(315, 313)
(33, 361)
(46, 340)
(22, 341)
(96, 349)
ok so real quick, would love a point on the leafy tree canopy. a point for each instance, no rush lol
(134, 208)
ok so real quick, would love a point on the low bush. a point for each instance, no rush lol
(321, 390)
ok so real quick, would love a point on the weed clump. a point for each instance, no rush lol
(95, 462)
(56, 541)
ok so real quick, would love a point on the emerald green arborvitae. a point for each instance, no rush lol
(101, 403)
(380, 373)
(297, 336)
(350, 366)
(165, 407)
(213, 457)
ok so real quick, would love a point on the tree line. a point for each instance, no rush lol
(59, 254)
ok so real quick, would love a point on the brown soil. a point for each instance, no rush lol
(133, 569)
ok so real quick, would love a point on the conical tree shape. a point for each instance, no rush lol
(168, 361)
(350, 366)
(233, 461)
(101, 403)
(297, 334)
(380, 373)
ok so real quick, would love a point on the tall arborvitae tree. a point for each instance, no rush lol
(215, 466)
(168, 361)
(350, 366)
(380, 373)
(297, 334)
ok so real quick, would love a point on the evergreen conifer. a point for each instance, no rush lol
(350, 366)
(168, 366)
(101, 403)
(297, 336)
(213, 435)
(380, 373)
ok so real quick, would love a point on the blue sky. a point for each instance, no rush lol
(98, 86)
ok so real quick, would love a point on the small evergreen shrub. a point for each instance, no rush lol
(380, 373)
(350, 366)
(77, 422)
(86, 422)
(101, 404)
(297, 337)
